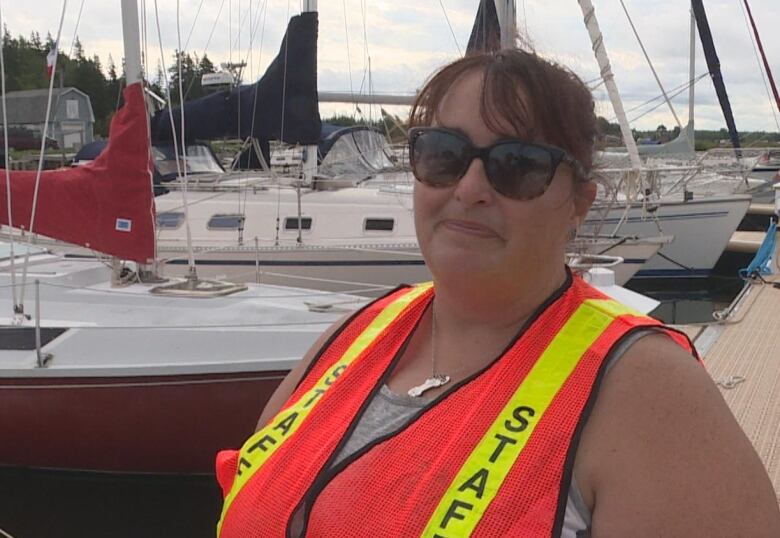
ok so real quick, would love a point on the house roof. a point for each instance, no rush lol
(29, 106)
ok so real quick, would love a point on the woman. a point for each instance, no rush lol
(517, 402)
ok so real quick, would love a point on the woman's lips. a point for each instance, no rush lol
(469, 227)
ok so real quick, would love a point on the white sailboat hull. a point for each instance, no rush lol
(143, 383)
(701, 228)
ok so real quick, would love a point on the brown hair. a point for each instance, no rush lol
(559, 111)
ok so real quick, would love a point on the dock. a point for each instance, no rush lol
(742, 354)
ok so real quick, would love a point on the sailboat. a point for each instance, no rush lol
(111, 370)
(339, 233)
(701, 225)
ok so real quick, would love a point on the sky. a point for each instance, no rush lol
(392, 46)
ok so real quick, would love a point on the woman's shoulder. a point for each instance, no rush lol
(663, 455)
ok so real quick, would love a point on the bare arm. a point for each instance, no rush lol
(662, 454)
(287, 386)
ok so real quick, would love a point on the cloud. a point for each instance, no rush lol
(407, 39)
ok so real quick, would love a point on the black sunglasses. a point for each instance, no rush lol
(516, 169)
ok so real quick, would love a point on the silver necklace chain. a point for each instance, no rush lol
(437, 379)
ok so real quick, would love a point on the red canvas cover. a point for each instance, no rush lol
(106, 205)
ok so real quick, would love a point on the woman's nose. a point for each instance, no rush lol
(474, 187)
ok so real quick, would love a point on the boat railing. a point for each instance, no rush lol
(584, 262)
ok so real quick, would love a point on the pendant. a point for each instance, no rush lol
(431, 383)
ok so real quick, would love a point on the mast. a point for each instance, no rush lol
(132, 42)
(597, 41)
(692, 75)
(309, 155)
(507, 21)
(713, 64)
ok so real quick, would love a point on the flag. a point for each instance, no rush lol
(51, 58)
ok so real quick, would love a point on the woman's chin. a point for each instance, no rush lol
(464, 263)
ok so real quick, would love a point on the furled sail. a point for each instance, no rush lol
(106, 205)
(486, 32)
(713, 64)
(282, 105)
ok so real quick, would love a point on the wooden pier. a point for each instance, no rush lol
(742, 354)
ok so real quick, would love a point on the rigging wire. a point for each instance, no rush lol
(760, 68)
(238, 48)
(349, 61)
(40, 158)
(145, 41)
(525, 23)
(650, 63)
(262, 14)
(70, 51)
(191, 259)
(674, 91)
(241, 22)
(208, 42)
(673, 95)
(76, 29)
(281, 128)
(365, 62)
(446, 18)
(6, 153)
(183, 165)
(194, 22)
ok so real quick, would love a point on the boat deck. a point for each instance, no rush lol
(743, 357)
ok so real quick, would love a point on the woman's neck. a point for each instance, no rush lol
(491, 305)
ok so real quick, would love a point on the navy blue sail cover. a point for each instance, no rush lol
(713, 64)
(284, 96)
(486, 32)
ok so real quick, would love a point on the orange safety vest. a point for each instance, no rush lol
(492, 456)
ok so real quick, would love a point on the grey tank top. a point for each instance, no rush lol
(389, 412)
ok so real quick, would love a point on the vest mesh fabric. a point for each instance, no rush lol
(394, 487)
(301, 457)
(412, 471)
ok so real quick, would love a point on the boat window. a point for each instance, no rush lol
(199, 159)
(379, 225)
(226, 222)
(170, 220)
(291, 223)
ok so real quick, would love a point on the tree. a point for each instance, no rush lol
(205, 65)
(78, 50)
(35, 41)
(189, 77)
(113, 83)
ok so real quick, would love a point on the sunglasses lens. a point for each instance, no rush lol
(519, 171)
(438, 157)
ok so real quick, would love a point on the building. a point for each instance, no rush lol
(71, 121)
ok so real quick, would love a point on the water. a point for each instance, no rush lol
(688, 300)
(44, 504)
(59, 504)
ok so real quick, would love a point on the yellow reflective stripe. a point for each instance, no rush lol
(485, 470)
(613, 308)
(260, 446)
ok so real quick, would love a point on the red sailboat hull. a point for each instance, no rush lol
(160, 424)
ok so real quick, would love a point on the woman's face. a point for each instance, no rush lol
(471, 230)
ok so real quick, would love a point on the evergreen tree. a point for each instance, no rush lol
(35, 41)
